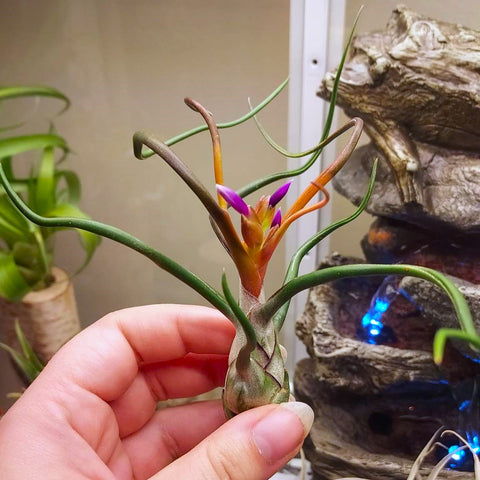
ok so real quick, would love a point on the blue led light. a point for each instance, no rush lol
(373, 330)
(381, 305)
(462, 454)
(366, 320)
(473, 442)
(371, 321)
(457, 458)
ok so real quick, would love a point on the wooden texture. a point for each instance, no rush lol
(376, 406)
(417, 81)
(48, 317)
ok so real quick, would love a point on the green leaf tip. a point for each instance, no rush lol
(443, 334)
(202, 128)
(16, 91)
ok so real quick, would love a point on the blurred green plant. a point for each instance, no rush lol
(26, 360)
(27, 250)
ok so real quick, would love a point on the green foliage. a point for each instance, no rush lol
(25, 359)
(26, 250)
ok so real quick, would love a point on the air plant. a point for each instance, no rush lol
(256, 374)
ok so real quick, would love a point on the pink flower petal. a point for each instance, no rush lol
(277, 218)
(233, 199)
(279, 194)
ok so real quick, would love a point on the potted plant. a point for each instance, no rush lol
(32, 289)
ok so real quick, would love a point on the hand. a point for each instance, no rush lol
(91, 414)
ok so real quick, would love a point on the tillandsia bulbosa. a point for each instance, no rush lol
(256, 374)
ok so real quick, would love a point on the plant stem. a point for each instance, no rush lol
(444, 334)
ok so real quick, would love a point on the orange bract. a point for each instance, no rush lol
(262, 227)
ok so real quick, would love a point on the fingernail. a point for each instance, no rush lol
(282, 431)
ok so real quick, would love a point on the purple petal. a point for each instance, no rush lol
(279, 194)
(233, 199)
(277, 218)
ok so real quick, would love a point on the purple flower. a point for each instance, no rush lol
(233, 199)
(277, 219)
(279, 194)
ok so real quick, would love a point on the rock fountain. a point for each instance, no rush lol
(377, 394)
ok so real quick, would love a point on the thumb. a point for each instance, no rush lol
(252, 446)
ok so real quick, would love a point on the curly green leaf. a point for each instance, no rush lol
(314, 149)
(13, 226)
(443, 334)
(257, 184)
(202, 128)
(7, 93)
(290, 289)
(24, 143)
(88, 240)
(73, 189)
(44, 193)
(12, 284)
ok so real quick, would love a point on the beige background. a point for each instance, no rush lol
(126, 65)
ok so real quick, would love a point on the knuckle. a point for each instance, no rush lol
(228, 463)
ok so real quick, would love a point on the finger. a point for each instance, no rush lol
(160, 381)
(252, 446)
(105, 358)
(170, 434)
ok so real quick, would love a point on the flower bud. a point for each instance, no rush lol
(252, 231)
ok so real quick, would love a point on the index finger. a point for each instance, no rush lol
(105, 357)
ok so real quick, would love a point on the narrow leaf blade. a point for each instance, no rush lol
(15, 91)
(15, 145)
(44, 182)
(12, 284)
(27, 349)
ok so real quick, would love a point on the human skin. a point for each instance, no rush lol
(91, 414)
